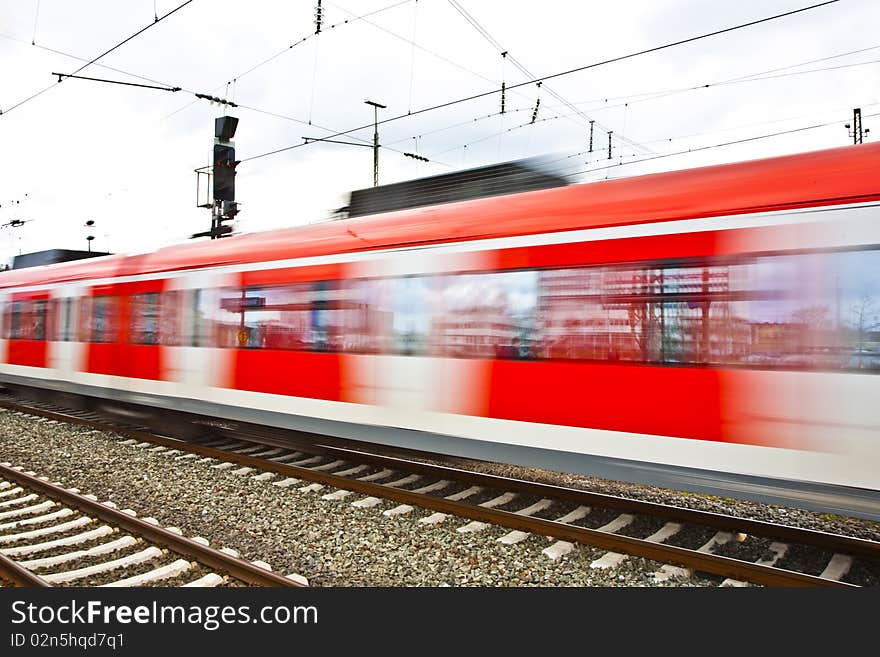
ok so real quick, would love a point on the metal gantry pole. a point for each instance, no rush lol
(375, 146)
(376, 107)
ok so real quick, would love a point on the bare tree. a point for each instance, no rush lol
(865, 319)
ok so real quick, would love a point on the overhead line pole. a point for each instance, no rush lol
(376, 107)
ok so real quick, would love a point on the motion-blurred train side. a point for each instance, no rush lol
(715, 329)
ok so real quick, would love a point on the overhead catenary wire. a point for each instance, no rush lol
(579, 165)
(756, 77)
(749, 77)
(723, 144)
(632, 98)
(652, 95)
(84, 59)
(440, 57)
(560, 74)
(293, 45)
(171, 87)
(418, 46)
(95, 59)
(585, 120)
(319, 139)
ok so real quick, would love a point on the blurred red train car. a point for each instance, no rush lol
(715, 329)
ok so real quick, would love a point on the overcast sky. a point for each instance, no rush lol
(124, 156)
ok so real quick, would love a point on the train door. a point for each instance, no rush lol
(66, 351)
(194, 360)
(394, 370)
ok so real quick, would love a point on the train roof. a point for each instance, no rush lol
(827, 177)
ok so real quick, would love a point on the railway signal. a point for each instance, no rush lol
(223, 208)
(224, 172)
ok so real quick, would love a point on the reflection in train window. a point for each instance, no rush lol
(486, 315)
(170, 318)
(39, 319)
(27, 320)
(808, 310)
(144, 318)
(277, 317)
(15, 319)
(64, 323)
(330, 317)
(411, 308)
(98, 319)
(801, 310)
(199, 323)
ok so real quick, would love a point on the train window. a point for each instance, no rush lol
(486, 315)
(599, 313)
(813, 310)
(193, 320)
(144, 318)
(229, 323)
(28, 320)
(411, 304)
(67, 334)
(275, 317)
(61, 313)
(15, 320)
(40, 309)
(39, 319)
(98, 319)
(83, 333)
(857, 294)
(804, 310)
(198, 324)
(338, 318)
(170, 318)
(801, 310)
(321, 316)
(369, 317)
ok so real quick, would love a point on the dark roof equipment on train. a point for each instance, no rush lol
(51, 257)
(492, 180)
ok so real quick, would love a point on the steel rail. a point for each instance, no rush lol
(788, 533)
(705, 562)
(238, 568)
(19, 575)
(306, 442)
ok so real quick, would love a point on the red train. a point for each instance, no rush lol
(716, 329)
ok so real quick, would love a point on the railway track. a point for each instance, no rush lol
(55, 536)
(736, 550)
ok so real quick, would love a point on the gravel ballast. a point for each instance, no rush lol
(331, 543)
